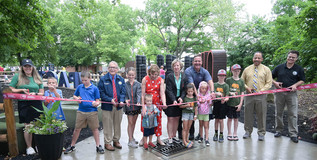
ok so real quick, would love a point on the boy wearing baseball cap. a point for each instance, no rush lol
(220, 105)
(236, 87)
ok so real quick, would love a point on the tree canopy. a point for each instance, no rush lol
(86, 32)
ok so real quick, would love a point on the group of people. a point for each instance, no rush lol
(182, 96)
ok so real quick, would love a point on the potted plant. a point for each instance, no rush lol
(48, 133)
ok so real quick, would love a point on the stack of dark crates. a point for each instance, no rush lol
(188, 62)
(160, 60)
(140, 67)
(169, 60)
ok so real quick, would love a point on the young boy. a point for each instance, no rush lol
(53, 92)
(236, 87)
(220, 106)
(87, 112)
(149, 121)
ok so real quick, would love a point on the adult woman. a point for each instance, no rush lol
(175, 92)
(29, 82)
(153, 84)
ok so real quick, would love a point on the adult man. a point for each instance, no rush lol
(289, 75)
(257, 77)
(196, 73)
(112, 89)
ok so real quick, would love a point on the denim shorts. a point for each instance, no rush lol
(203, 117)
(187, 116)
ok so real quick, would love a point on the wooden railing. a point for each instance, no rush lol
(11, 136)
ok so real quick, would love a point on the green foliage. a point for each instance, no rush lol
(177, 26)
(23, 26)
(46, 124)
(253, 36)
(93, 31)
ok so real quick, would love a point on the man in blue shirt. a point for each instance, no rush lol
(196, 74)
(112, 89)
(289, 75)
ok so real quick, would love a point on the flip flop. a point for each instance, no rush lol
(189, 144)
(235, 138)
(229, 138)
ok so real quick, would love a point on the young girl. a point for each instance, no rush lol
(53, 92)
(220, 106)
(204, 104)
(236, 87)
(149, 121)
(189, 113)
(133, 96)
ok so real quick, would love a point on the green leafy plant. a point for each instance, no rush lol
(46, 124)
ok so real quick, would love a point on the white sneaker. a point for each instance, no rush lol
(132, 144)
(30, 151)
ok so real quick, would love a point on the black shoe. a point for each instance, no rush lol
(100, 150)
(70, 149)
(191, 137)
(180, 137)
(294, 139)
(277, 134)
(197, 137)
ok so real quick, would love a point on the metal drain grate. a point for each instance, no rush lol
(177, 149)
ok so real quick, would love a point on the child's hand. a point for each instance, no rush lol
(219, 94)
(77, 98)
(121, 104)
(238, 108)
(95, 103)
(51, 88)
(127, 102)
(202, 100)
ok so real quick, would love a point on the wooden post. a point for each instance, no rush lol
(11, 128)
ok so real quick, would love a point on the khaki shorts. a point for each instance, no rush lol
(84, 118)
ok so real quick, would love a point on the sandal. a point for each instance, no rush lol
(235, 138)
(229, 138)
(189, 144)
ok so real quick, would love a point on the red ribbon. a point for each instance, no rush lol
(43, 98)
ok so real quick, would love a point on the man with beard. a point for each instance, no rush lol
(257, 77)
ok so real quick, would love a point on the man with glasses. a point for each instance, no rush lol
(288, 75)
(112, 89)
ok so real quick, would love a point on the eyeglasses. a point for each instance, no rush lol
(112, 67)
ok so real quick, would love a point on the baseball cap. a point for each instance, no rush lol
(26, 62)
(222, 72)
(235, 66)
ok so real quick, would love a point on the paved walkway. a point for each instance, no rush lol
(272, 148)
